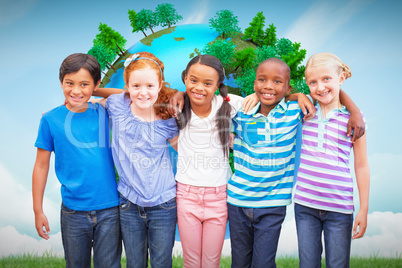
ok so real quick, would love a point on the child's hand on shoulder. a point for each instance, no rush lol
(356, 126)
(176, 103)
(306, 106)
(250, 102)
(231, 140)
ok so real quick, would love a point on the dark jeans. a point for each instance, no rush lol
(337, 228)
(254, 235)
(83, 230)
(150, 228)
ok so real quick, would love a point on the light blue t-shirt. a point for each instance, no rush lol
(83, 159)
(141, 154)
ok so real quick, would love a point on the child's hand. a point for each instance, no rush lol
(231, 140)
(356, 127)
(250, 102)
(361, 224)
(176, 103)
(42, 225)
(306, 106)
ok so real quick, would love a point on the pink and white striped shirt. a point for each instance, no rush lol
(324, 181)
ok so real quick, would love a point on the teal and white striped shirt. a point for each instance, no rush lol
(264, 156)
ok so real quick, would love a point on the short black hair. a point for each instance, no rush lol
(76, 61)
(277, 60)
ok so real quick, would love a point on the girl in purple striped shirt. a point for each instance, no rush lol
(324, 189)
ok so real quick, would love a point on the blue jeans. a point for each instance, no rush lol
(83, 230)
(337, 228)
(150, 228)
(254, 235)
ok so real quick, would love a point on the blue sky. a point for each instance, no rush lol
(37, 35)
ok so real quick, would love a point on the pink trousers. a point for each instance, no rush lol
(202, 217)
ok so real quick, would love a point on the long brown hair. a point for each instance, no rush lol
(148, 60)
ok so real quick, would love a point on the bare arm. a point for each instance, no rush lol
(39, 179)
(362, 171)
(106, 92)
(355, 122)
(176, 103)
(305, 104)
(173, 142)
(250, 102)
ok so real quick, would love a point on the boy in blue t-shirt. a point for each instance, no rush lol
(78, 134)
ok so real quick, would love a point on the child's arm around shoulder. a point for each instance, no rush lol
(305, 104)
(39, 179)
(362, 171)
(356, 122)
(249, 102)
(105, 93)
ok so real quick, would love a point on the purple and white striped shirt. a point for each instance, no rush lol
(324, 181)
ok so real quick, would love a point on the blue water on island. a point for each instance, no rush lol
(174, 54)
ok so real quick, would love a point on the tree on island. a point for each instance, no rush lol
(256, 30)
(283, 49)
(110, 39)
(245, 81)
(245, 58)
(103, 55)
(146, 18)
(222, 49)
(284, 46)
(166, 14)
(225, 22)
(132, 16)
(270, 36)
(265, 52)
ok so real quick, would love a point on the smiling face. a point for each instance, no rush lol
(271, 84)
(324, 82)
(78, 88)
(201, 83)
(143, 86)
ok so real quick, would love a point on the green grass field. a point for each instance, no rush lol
(50, 261)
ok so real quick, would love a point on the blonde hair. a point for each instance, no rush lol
(148, 60)
(327, 58)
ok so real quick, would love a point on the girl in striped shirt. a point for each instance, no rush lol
(324, 189)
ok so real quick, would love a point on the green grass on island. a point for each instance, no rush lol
(48, 260)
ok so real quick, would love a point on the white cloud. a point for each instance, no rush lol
(16, 209)
(319, 23)
(383, 237)
(14, 243)
(199, 14)
(11, 11)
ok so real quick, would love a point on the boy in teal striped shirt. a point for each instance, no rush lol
(264, 157)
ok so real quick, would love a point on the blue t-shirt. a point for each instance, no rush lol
(83, 159)
(141, 154)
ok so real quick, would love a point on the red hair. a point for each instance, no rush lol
(166, 92)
